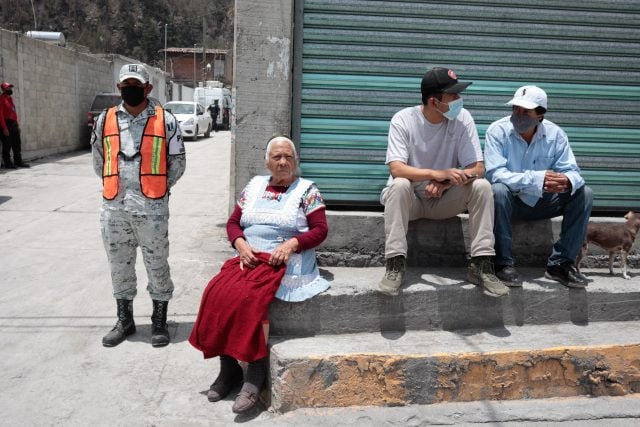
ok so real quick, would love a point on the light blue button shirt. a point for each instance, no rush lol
(520, 166)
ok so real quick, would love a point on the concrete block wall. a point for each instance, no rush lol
(262, 83)
(53, 90)
(356, 239)
(92, 75)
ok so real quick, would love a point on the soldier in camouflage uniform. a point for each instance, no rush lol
(138, 152)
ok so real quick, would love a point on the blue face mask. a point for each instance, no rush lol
(455, 107)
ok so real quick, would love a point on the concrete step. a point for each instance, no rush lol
(356, 239)
(427, 367)
(441, 299)
(621, 411)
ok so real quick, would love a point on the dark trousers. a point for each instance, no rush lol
(575, 210)
(11, 143)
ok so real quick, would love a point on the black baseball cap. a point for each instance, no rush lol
(440, 80)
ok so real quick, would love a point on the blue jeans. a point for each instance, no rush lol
(575, 211)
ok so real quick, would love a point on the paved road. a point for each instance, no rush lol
(56, 305)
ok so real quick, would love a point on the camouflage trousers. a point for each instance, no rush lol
(122, 233)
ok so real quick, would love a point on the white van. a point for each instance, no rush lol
(206, 96)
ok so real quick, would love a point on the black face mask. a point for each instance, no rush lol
(132, 95)
(8, 92)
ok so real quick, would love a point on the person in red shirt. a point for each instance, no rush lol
(10, 130)
(4, 132)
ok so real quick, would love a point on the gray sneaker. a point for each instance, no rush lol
(390, 283)
(481, 273)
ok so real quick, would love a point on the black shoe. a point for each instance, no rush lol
(124, 327)
(582, 277)
(160, 336)
(9, 166)
(509, 275)
(118, 334)
(23, 165)
(159, 331)
(565, 274)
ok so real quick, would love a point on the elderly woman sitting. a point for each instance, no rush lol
(277, 222)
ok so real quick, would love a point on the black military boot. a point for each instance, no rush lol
(159, 330)
(124, 326)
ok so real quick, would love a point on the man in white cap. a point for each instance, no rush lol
(138, 152)
(436, 167)
(535, 176)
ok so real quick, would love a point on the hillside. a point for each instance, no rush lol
(134, 28)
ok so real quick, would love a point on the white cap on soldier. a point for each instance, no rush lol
(134, 71)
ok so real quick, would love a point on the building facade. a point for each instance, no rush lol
(191, 66)
(332, 74)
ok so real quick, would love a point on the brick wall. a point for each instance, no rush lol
(180, 64)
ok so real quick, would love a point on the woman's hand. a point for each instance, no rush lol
(281, 253)
(246, 253)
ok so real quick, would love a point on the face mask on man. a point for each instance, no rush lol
(455, 107)
(522, 123)
(132, 95)
(8, 92)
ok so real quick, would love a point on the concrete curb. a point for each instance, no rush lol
(432, 367)
(356, 239)
(442, 299)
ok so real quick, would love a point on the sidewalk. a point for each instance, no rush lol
(56, 302)
(56, 305)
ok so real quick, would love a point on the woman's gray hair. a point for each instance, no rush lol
(281, 138)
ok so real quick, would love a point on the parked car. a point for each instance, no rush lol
(101, 102)
(192, 117)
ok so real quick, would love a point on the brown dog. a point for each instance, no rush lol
(612, 238)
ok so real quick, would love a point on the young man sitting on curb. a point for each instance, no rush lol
(436, 166)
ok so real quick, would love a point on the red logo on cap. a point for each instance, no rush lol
(452, 75)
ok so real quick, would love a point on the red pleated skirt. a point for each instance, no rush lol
(234, 305)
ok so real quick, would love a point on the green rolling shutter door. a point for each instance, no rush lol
(358, 62)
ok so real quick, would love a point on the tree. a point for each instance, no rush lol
(133, 28)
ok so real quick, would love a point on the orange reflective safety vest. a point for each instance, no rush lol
(153, 156)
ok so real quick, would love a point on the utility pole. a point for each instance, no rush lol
(194, 65)
(35, 23)
(204, 51)
(165, 49)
